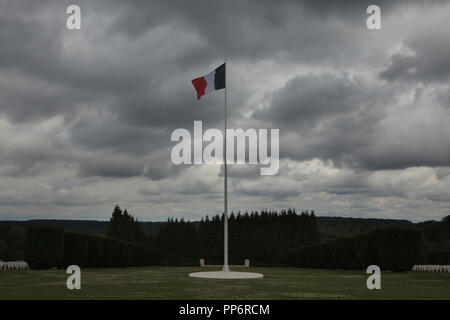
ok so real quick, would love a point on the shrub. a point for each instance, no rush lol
(76, 248)
(391, 249)
(396, 249)
(50, 247)
(437, 256)
(111, 252)
(44, 247)
(96, 252)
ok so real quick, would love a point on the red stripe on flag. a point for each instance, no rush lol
(199, 85)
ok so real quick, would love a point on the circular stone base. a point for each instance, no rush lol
(226, 275)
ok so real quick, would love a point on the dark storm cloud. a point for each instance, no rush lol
(168, 108)
(111, 167)
(348, 121)
(243, 30)
(358, 183)
(155, 166)
(264, 29)
(129, 78)
(352, 7)
(404, 156)
(51, 78)
(119, 86)
(30, 43)
(328, 116)
(442, 173)
(116, 96)
(307, 99)
(427, 60)
(97, 131)
(267, 190)
(161, 169)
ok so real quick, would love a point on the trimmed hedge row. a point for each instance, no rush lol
(44, 247)
(393, 249)
(435, 256)
(52, 247)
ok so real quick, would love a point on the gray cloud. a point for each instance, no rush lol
(86, 116)
(358, 124)
(426, 61)
(307, 99)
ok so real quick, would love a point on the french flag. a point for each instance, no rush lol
(214, 80)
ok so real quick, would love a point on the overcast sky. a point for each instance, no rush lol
(86, 115)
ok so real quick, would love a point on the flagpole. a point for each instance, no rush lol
(226, 268)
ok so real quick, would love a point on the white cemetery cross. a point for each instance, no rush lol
(13, 265)
(24, 265)
(431, 268)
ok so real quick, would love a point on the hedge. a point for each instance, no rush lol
(44, 247)
(52, 247)
(393, 249)
(435, 256)
(76, 249)
(96, 256)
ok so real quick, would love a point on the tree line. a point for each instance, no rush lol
(395, 249)
(264, 237)
(47, 247)
(435, 249)
(12, 242)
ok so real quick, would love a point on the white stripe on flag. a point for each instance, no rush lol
(210, 81)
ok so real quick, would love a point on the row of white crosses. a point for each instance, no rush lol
(13, 265)
(431, 268)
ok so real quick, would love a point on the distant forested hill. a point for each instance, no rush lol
(93, 227)
(329, 227)
(337, 227)
(434, 248)
(81, 226)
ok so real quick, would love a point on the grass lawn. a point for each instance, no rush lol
(174, 283)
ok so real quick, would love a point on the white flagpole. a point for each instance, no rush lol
(226, 268)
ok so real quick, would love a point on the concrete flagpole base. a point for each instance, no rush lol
(226, 275)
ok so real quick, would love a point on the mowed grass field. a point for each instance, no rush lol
(174, 283)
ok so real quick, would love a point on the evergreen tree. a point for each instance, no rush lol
(123, 226)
